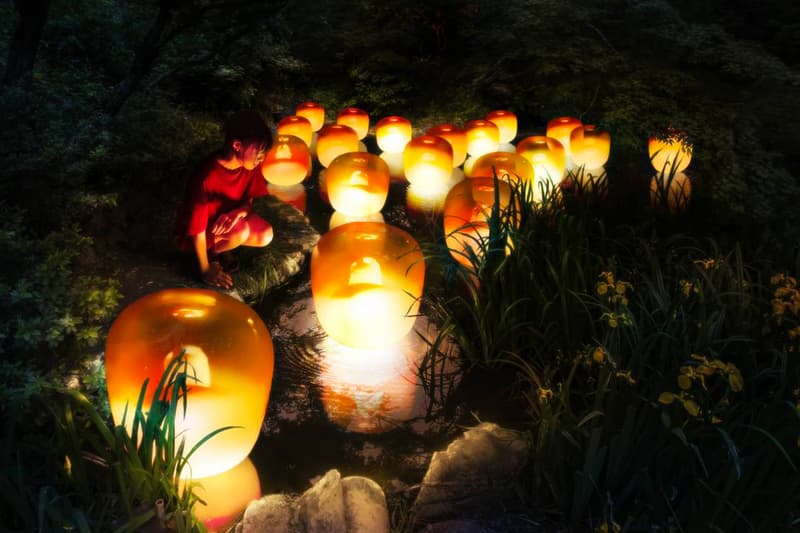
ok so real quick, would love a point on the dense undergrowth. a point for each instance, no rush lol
(659, 369)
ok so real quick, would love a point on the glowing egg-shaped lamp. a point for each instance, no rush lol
(505, 165)
(457, 138)
(590, 146)
(356, 118)
(483, 136)
(428, 162)
(393, 133)
(467, 209)
(229, 357)
(314, 112)
(357, 183)
(287, 162)
(548, 159)
(672, 191)
(669, 154)
(366, 281)
(506, 123)
(335, 140)
(298, 126)
(560, 129)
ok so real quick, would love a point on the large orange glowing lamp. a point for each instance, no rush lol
(560, 129)
(670, 153)
(506, 122)
(357, 183)
(300, 127)
(356, 118)
(229, 357)
(314, 112)
(366, 281)
(506, 166)
(548, 159)
(457, 138)
(335, 140)
(428, 162)
(287, 162)
(466, 217)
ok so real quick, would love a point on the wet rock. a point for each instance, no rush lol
(365, 506)
(472, 478)
(270, 514)
(321, 508)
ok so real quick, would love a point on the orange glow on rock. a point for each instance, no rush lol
(669, 155)
(300, 127)
(507, 166)
(287, 162)
(590, 146)
(483, 137)
(428, 162)
(230, 363)
(314, 112)
(457, 138)
(357, 183)
(366, 281)
(356, 118)
(393, 133)
(334, 140)
(506, 123)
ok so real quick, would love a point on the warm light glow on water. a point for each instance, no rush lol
(226, 495)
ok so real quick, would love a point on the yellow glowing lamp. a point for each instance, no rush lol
(393, 133)
(287, 162)
(548, 159)
(590, 146)
(229, 358)
(300, 127)
(505, 165)
(428, 162)
(467, 209)
(506, 123)
(560, 129)
(335, 140)
(366, 281)
(356, 118)
(314, 112)
(357, 183)
(483, 137)
(670, 154)
(457, 138)
(672, 191)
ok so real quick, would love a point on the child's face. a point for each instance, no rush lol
(252, 155)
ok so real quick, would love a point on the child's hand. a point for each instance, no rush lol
(226, 222)
(217, 277)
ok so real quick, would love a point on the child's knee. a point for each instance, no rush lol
(263, 237)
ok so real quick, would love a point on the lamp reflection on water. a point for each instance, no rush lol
(294, 195)
(226, 495)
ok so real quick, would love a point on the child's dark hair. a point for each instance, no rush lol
(248, 127)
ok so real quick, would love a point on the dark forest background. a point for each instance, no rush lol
(105, 104)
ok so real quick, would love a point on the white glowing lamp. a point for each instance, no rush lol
(483, 137)
(335, 140)
(560, 129)
(287, 162)
(506, 123)
(229, 357)
(393, 133)
(590, 146)
(467, 209)
(366, 281)
(300, 127)
(428, 162)
(548, 159)
(669, 155)
(314, 112)
(356, 118)
(357, 183)
(505, 165)
(457, 138)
